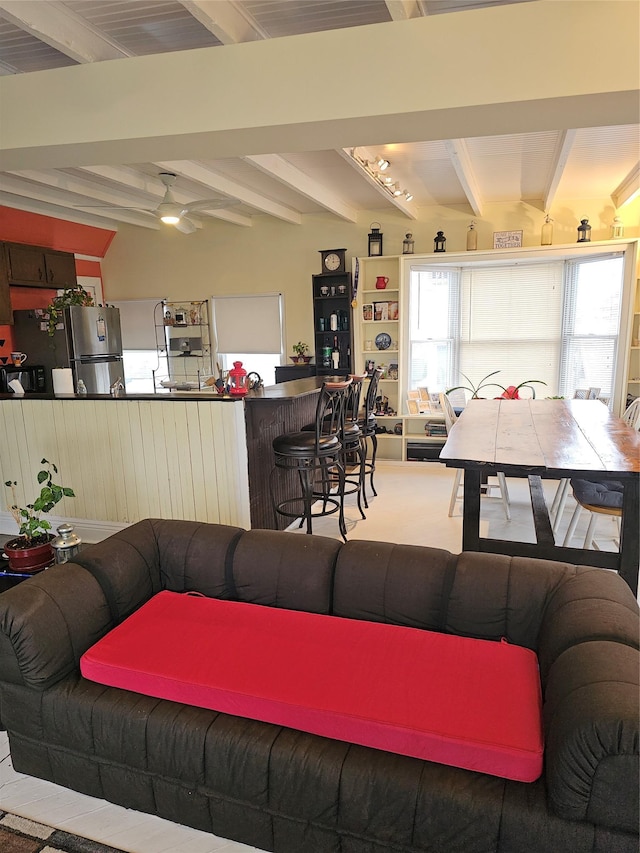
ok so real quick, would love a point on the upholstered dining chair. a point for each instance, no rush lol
(599, 498)
(450, 419)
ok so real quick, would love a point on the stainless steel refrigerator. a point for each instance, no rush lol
(90, 344)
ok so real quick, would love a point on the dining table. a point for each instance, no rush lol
(541, 439)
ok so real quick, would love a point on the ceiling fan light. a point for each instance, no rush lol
(170, 219)
(169, 212)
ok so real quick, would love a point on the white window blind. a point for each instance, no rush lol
(137, 323)
(250, 323)
(511, 321)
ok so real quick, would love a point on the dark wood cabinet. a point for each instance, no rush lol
(332, 321)
(35, 266)
(6, 314)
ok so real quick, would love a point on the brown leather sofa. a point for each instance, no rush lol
(292, 792)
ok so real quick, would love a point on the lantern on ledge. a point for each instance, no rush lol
(66, 544)
(584, 231)
(238, 381)
(439, 242)
(408, 244)
(375, 240)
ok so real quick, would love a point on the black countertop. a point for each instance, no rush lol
(283, 391)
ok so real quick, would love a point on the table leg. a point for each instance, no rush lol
(471, 510)
(629, 533)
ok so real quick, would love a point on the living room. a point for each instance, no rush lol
(546, 78)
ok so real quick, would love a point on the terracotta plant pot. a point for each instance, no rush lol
(27, 559)
(300, 359)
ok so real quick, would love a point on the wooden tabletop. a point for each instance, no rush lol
(552, 437)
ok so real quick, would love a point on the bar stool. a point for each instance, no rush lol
(316, 456)
(368, 425)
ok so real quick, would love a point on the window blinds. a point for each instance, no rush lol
(137, 323)
(511, 321)
(250, 323)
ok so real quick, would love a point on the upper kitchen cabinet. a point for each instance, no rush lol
(35, 266)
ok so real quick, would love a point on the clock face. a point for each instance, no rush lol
(332, 261)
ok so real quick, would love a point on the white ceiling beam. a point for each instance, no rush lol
(229, 22)
(459, 156)
(402, 10)
(151, 184)
(84, 190)
(65, 213)
(628, 189)
(396, 201)
(220, 184)
(277, 167)
(62, 29)
(566, 138)
(42, 193)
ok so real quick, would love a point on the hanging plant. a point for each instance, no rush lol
(70, 296)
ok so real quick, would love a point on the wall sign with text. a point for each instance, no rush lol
(507, 239)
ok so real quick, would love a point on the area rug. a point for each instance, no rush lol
(19, 835)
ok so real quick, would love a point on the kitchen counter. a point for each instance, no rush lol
(141, 456)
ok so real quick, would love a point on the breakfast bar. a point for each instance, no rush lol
(189, 455)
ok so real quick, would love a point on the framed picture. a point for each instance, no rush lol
(434, 399)
(392, 373)
(507, 239)
(412, 407)
(367, 311)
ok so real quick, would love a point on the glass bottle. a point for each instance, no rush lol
(335, 354)
(546, 235)
(472, 237)
(82, 388)
(333, 321)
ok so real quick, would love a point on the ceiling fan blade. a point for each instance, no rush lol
(185, 226)
(209, 204)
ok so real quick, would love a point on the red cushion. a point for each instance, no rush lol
(469, 703)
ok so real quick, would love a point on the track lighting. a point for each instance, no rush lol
(373, 169)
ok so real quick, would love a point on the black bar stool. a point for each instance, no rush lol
(368, 427)
(316, 455)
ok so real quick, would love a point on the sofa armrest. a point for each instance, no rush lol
(47, 623)
(591, 717)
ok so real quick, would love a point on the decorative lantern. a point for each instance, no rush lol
(439, 242)
(472, 237)
(67, 544)
(375, 240)
(546, 235)
(584, 231)
(238, 382)
(617, 228)
(407, 244)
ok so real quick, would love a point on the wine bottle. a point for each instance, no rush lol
(335, 354)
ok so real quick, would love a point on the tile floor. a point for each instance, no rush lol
(411, 507)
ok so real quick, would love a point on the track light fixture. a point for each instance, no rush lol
(374, 168)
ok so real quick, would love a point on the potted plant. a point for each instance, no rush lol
(31, 550)
(300, 349)
(508, 393)
(70, 296)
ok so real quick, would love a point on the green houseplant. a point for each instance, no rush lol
(70, 296)
(301, 349)
(31, 550)
(510, 392)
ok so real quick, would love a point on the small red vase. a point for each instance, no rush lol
(381, 282)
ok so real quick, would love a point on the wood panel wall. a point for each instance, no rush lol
(131, 459)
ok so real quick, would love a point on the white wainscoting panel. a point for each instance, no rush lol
(130, 459)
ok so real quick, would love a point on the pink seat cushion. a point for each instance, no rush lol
(470, 703)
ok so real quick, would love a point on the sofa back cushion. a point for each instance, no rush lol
(480, 595)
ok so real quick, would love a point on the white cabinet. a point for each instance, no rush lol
(183, 338)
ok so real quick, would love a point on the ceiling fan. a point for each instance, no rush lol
(172, 212)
